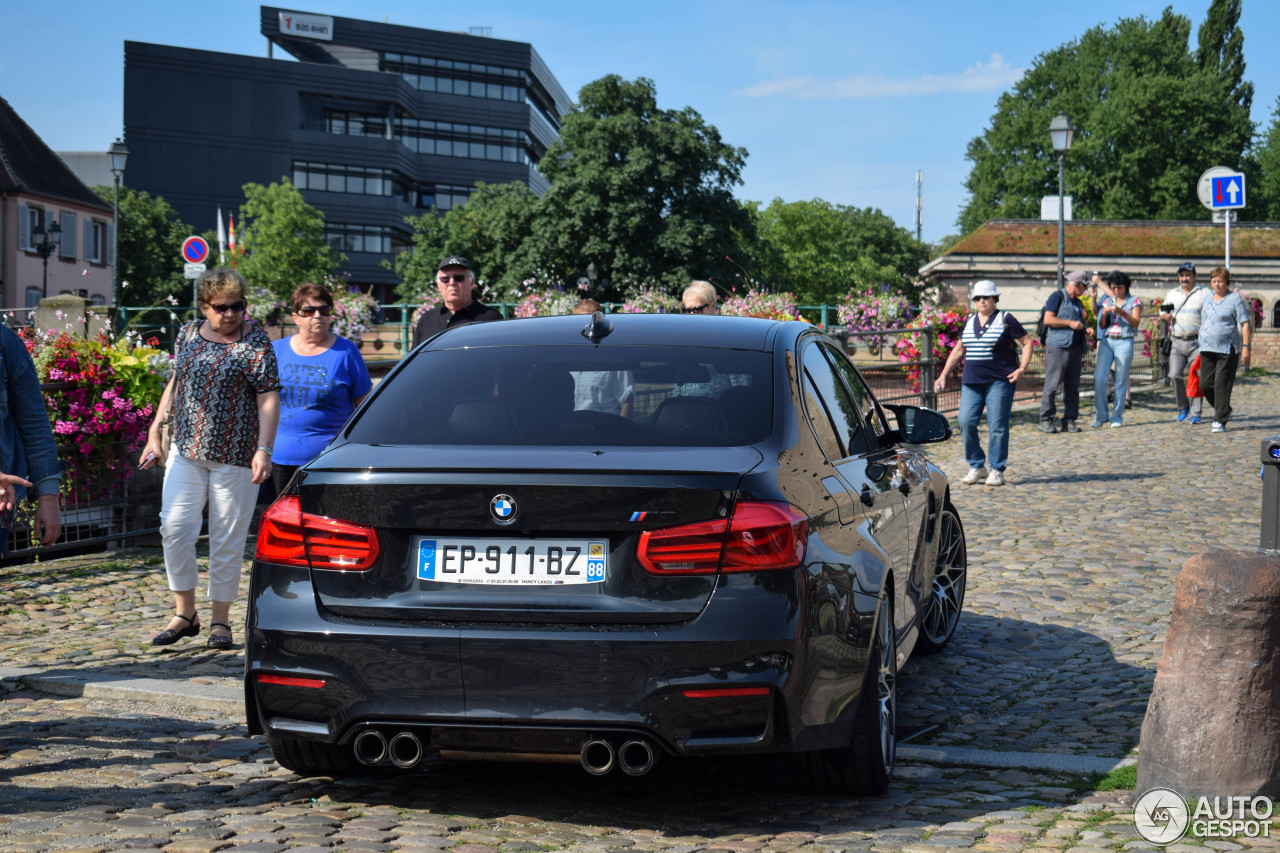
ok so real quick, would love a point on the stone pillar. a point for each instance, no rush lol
(1212, 726)
(70, 314)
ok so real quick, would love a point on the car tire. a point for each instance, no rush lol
(941, 611)
(863, 767)
(312, 758)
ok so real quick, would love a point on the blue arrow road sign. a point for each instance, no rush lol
(1227, 192)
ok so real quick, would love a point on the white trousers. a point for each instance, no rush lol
(231, 495)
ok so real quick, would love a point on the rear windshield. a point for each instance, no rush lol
(550, 396)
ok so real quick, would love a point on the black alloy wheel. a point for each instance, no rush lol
(946, 596)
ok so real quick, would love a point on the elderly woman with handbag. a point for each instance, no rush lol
(224, 403)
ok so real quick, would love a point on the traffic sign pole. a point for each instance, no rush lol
(1223, 189)
(1227, 230)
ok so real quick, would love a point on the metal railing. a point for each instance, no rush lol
(107, 500)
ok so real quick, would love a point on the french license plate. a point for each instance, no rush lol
(512, 562)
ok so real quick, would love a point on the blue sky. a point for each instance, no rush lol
(840, 101)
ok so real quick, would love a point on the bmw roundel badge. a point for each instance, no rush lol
(503, 509)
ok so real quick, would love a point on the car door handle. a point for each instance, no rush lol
(867, 496)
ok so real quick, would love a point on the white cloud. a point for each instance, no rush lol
(982, 77)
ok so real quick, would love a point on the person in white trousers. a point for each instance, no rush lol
(224, 403)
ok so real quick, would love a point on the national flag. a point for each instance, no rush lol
(231, 242)
(222, 239)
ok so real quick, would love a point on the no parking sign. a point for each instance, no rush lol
(194, 251)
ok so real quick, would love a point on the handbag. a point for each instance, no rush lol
(166, 421)
(1166, 343)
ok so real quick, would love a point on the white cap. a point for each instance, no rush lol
(986, 287)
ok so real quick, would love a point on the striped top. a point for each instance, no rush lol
(216, 407)
(989, 353)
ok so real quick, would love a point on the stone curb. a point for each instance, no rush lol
(143, 691)
(1049, 762)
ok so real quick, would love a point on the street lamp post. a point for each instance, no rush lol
(1060, 134)
(46, 243)
(117, 154)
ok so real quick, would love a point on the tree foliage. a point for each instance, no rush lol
(821, 251)
(491, 230)
(283, 239)
(1263, 173)
(1221, 50)
(644, 193)
(1150, 118)
(149, 239)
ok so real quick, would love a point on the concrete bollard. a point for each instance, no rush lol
(1212, 726)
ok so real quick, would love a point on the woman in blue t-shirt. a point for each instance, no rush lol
(324, 378)
(992, 365)
(1118, 314)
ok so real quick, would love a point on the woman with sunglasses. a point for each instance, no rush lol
(1118, 313)
(996, 351)
(223, 401)
(324, 378)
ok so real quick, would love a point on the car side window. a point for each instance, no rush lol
(820, 419)
(864, 402)
(839, 406)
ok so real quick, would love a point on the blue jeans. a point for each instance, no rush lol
(997, 396)
(1120, 352)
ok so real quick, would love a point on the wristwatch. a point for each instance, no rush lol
(264, 449)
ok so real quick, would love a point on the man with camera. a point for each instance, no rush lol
(1064, 352)
(1181, 310)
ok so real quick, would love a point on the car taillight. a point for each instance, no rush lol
(761, 536)
(291, 681)
(290, 537)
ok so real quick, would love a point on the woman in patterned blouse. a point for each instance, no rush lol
(225, 407)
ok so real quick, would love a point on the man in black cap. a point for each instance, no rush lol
(1181, 310)
(455, 278)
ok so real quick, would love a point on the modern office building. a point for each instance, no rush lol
(374, 122)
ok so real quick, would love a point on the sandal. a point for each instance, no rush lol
(221, 642)
(168, 636)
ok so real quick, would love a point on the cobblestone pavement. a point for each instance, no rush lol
(1072, 567)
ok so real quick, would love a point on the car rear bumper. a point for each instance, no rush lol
(743, 676)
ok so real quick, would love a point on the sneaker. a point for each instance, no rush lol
(995, 478)
(1070, 426)
(1182, 414)
(1115, 425)
(1047, 426)
(974, 475)
(1218, 426)
(1096, 425)
(1197, 420)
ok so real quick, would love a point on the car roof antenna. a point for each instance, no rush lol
(599, 327)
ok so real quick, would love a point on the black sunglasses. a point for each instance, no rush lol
(457, 279)
(233, 308)
(697, 309)
(308, 310)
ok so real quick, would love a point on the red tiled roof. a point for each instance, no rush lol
(28, 165)
(1120, 238)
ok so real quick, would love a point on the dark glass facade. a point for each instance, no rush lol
(374, 123)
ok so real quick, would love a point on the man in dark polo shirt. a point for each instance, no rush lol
(455, 278)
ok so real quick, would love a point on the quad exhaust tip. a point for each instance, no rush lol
(405, 750)
(597, 756)
(636, 757)
(370, 747)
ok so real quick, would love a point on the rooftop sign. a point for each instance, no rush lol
(307, 26)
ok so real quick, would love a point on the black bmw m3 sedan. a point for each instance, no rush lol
(607, 540)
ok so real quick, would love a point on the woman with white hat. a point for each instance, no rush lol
(992, 364)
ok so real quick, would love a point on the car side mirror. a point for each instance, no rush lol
(919, 425)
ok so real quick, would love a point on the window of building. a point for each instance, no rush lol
(375, 239)
(347, 123)
(359, 180)
(476, 142)
(95, 241)
(442, 196)
(30, 218)
(451, 77)
(33, 296)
